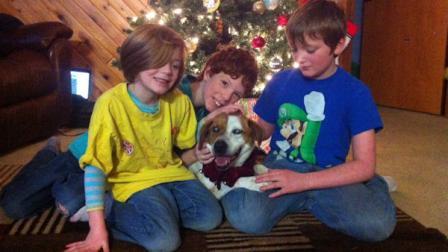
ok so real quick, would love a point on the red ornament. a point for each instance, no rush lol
(282, 20)
(302, 2)
(258, 42)
(352, 29)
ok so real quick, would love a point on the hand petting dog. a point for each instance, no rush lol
(204, 155)
(285, 181)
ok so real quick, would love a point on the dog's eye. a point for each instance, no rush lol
(237, 131)
(215, 129)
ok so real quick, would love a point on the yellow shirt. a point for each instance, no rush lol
(135, 149)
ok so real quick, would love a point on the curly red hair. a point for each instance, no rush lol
(234, 62)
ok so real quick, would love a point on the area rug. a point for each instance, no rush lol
(51, 231)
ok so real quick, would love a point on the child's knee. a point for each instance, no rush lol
(367, 228)
(161, 245)
(15, 209)
(380, 225)
(244, 212)
(163, 241)
(251, 222)
(375, 230)
(209, 221)
(204, 217)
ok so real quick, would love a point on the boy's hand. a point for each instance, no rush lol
(286, 181)
(97, 239)
(204, 155)
(228, 109)
(93, 242)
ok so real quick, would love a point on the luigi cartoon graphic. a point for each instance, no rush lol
(301, 128)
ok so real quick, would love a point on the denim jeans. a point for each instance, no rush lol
(152, 217)
(364, 211)
(47, 178)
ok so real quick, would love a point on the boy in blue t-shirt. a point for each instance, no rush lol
(314, 114)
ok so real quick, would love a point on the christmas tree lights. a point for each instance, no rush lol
(207, 25)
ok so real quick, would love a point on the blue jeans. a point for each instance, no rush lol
(47, 178)
(152, 217)
(364, 211)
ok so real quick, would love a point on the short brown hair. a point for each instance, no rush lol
(147, 47)
(234, 62)
(318, 19)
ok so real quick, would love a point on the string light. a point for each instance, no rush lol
(195, 40)
(203, 32)
(150, 15)
(177, 11)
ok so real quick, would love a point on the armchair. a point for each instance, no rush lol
(34, 80)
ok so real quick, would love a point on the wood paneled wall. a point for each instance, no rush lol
(99, 29)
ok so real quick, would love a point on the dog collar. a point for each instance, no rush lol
(231, 175)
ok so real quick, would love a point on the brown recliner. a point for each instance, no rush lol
(35, 84)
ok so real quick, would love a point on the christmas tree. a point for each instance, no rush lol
(207, 25)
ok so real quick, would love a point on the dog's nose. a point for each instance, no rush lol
(220, 147)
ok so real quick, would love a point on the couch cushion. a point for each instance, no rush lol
(25, 74)
(28, 121)
(37, 36)
(9, 23)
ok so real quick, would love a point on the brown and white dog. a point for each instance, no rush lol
(231, 138)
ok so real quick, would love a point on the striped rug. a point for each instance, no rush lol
(50, 231)
(7, 172)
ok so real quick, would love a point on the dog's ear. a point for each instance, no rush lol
(204, 132)
(256, 131)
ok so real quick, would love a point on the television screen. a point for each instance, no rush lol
(81, 84)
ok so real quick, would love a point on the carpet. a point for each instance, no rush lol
(50, 231)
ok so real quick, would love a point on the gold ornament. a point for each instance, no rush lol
(191, 45)
(211, 5)
(259, 7)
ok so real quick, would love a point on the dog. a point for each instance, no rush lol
(232, 139)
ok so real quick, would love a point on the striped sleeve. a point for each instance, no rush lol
(94, 185)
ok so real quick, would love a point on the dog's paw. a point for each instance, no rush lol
(215, 192)
(248, 183)
(219, 193)
(195, 167)
(260, 169)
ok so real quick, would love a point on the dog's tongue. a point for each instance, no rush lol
(222, 161)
